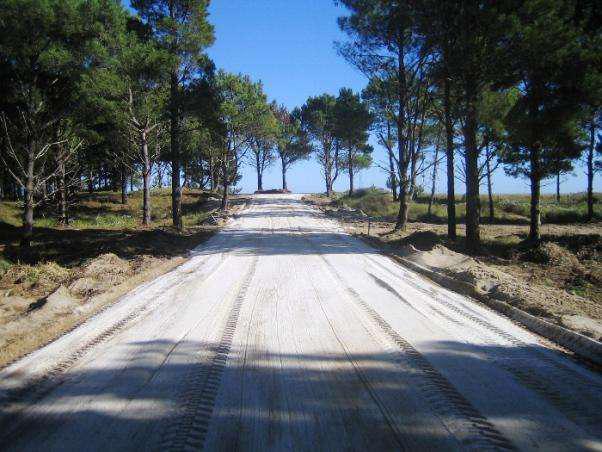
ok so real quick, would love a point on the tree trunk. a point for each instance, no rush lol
(185, 176)
(489, 185)
(449, 155)
(212, 175)
(328, 188)
(29, 199)
(590, 171)
(176, 190)
(351, 175)
(473, 210)
(284, 187)
(558, 187)
(124, 186)
(392, 177)
(159, 175)
(434, 184)
(327, 170)
(402, 216)
(90, 182)
(62, 190)
(146, 172)
(226, 187)
(392, 172)
(535, 178)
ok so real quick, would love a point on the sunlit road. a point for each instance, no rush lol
(282, 332)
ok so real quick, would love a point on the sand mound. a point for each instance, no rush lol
(537, 299)
(107, 264)
(441, 257)
(422, 240)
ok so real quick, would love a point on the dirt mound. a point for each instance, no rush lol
(422, 240)
(537, 299)
(144, 262)
(549, 253)
(107, 264)
(441, 257)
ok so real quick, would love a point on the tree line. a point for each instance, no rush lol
(95, 96)
(482, 83)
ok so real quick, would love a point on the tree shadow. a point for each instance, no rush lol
(326, 401)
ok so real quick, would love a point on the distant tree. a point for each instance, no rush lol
(493, 107)
(245, 114)
(353, 122)
(384, 45)
(292, 141)
(380, 96)
(182, 29)
(319, 120)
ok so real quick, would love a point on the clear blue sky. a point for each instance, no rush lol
(288, 45)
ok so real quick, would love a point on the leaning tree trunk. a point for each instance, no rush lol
(590, 173)
(473, 238)
(146, 173)
(535, 179)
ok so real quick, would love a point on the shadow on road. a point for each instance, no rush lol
(280, 396)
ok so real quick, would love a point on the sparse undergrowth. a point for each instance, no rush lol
(512, 209)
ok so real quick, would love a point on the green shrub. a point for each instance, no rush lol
(4, 266)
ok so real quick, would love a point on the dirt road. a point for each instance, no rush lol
(282, 332)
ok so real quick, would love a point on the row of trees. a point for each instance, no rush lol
(93, 96)
(511, 82)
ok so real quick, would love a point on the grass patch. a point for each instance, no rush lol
(510, 209)
(100, 224)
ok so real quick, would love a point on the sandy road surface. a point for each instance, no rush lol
(283, 333)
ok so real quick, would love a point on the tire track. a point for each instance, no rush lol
(445, 400)
(546, 380)
(188, 429)
(36, 388)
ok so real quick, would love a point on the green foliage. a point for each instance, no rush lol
(353, 121)
(292, 142)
